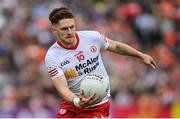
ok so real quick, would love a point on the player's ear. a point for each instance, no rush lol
(54, 30)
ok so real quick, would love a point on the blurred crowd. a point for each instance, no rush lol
(151, 26)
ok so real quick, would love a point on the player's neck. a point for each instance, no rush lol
(69, 45)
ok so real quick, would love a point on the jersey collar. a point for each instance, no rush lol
(72, 48)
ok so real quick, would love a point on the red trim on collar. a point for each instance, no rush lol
(71, 48)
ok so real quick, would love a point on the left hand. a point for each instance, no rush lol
(149, 60)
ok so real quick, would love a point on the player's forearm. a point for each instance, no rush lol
(66, 94)
(63, 90)
(124, 49)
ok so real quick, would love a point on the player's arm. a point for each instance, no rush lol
(60, 84)
(124, 49)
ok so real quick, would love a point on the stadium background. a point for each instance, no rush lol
(152, 26)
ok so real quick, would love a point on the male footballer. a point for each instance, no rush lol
(73, 56)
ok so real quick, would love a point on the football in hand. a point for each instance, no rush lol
(95, 83)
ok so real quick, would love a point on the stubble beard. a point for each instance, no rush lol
(69, 42)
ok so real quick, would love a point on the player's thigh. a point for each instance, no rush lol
(93, 114)
(65, 114)
(100, 114)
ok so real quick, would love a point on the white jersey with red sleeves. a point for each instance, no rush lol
(75, 63)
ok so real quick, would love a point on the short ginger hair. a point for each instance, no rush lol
(59, 14)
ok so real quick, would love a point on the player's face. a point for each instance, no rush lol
(66, 31)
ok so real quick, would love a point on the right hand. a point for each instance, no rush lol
(93, 99)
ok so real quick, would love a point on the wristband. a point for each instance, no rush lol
(76, 102)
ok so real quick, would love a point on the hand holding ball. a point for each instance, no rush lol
(95, 83)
